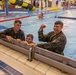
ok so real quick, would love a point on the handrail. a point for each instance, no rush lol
(56, 60)
(30, 54)
(16, 46)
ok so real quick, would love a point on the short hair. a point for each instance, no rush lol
(30, 36)
(17, 21)
(59, 22)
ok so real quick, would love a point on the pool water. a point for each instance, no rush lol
(32, 24)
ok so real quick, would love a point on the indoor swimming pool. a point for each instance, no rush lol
(32, 24)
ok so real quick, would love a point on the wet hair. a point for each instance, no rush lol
(59, 22)
(30, 36)
(17, 21)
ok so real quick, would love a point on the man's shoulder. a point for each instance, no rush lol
(51, 32)
(63, 35)
(9, 28)
(21, 31)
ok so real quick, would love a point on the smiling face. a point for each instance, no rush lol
(57, 28)
(17, 25)
(29, 38)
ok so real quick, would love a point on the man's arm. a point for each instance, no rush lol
(41, 36)
(56, 45)
(4, 33)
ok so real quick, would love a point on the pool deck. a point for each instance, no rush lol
(19, 62)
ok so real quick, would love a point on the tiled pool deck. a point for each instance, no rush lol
(7, 70)
(18, 63)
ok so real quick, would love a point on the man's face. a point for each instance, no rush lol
(29, 39)
(57, 28)
(17, 26)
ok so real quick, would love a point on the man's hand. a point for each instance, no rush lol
(32, 44)
(9, 38)
(42, 26)
(24, 42)
(18, 40)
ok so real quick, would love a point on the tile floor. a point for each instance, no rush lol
(7, 70)
(19, 62)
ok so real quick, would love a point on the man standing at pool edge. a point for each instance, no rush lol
(56, 40)
(13, 33)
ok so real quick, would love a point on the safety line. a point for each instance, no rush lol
(66, 17)
(14, 19)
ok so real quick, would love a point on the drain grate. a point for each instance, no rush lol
(7, 70)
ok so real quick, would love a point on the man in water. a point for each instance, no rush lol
(56, 40)
(13, 33)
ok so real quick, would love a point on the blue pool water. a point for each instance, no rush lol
(32, 24)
